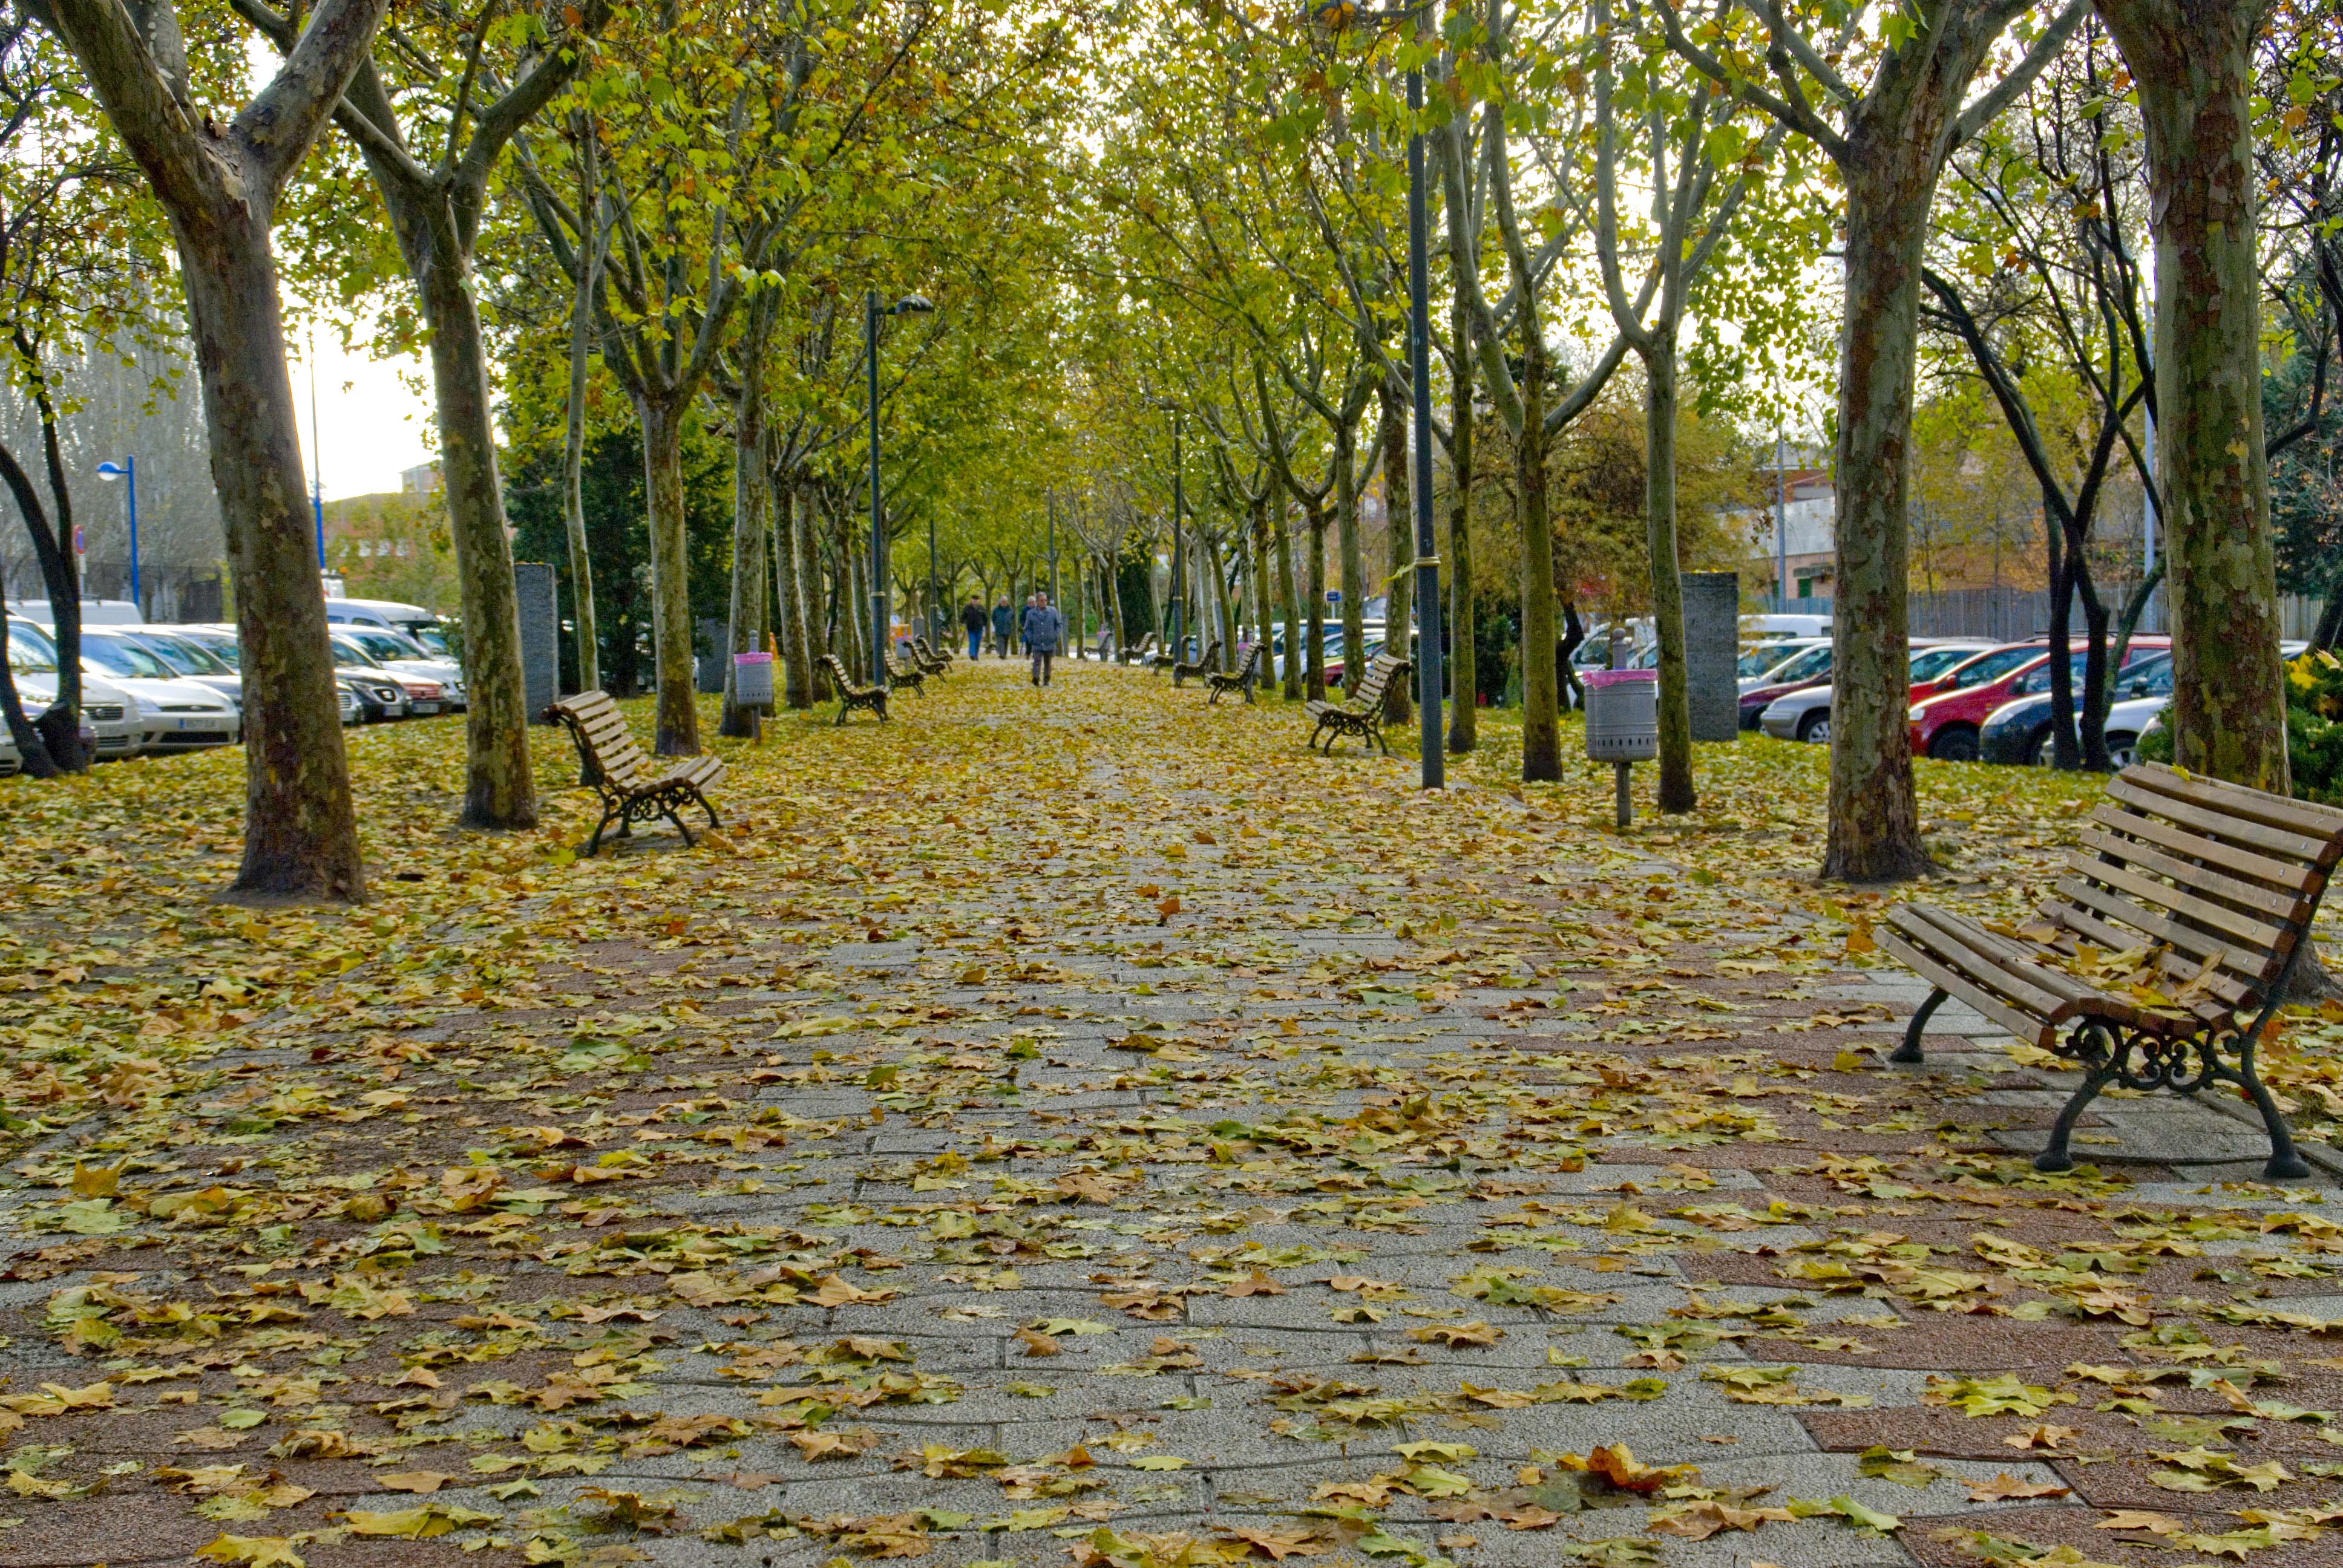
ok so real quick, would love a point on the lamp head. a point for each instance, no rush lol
(911, 304)
(111, 471)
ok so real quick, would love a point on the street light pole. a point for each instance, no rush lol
(1430, 665)
(128, 470)
(1178, 539)
(910, 304)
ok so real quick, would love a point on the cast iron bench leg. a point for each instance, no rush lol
(1910, 1052)
(2053, 1156)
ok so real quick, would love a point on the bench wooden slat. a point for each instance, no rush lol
(2277, 841)
(2237, 959)
(2196, 879)
(2032, 1031)
(2227, 982)
(2292, 876)
(1964, 952)
(2306, 816)
(2248, 929)
(1974, 935)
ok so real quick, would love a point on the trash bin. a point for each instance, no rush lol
(1622, 715)
(753, 679)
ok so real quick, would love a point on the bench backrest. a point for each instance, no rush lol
(837, 668)
(1212, 655)
(2205, 869)
(1251, 662)
(602, 734)
(1377, 682)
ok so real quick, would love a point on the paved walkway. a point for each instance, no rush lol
(1080, 1126)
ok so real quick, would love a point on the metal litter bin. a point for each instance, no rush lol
(1622, 715)
(753, 679)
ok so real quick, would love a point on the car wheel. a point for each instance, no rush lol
(2123, 750)
(1957, 744)
(1815, 727)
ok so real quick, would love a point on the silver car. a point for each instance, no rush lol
(174, 714)
(108, 714)
(1805, 714)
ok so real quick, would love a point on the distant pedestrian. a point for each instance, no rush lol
(1003, 617)
(972, 621)
(1042, 628)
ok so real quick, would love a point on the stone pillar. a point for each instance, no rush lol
(540, 636)
(1712, 604)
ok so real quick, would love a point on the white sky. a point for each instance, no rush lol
(371, 424)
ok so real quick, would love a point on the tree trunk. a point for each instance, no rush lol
(1261, 584)
(2066, 752)
(671, 640)
(1874, 824)
(65, 611)
(1541, 721)
(2193, 62)
(2097, 674)
(751, 520)
(1353, 564)
(300, 834)
(1463, 670)
(789, 553)
(573, 466)
(1667, 581)
(1399, 554)
(1313, 652)
(33, 757)
(500, 788)
(1282, 518)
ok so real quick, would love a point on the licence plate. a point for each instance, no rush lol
(422, 707)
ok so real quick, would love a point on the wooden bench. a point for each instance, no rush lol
(901, 674)
(850, 696)
(1142, 653)
(2212, 886)
(632, 790)
(930, 661)
(1212, 660)
(1363, 715)
(1220, 682)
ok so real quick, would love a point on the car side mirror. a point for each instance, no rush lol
(2140, 689)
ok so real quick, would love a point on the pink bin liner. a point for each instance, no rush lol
(1602, 677)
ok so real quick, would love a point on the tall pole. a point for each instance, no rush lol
(130, 473)
(317, 462)
(935, 610)
(1052, 497)
(1781, 523)
(1178, 539)
(877, 536)
(1430, 672)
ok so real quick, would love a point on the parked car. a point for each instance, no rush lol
(402, 656)
(426, 630)
(173, 714)
(94, 612)
(2017, 733)
(422, 696)
(109, 719)
(1808, 667)
(1805, 714)
(1946, 726)
(370, 694)
(190, 660)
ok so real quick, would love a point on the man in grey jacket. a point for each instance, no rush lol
(1043, 627)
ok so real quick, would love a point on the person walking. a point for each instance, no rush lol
(1042, 628)
(1002, 620)
(972, 621)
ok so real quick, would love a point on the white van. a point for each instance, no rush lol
(94, 612)
(412, 620)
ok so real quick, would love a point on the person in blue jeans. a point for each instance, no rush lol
(972, 621)
(1003, 617)
(1043, 627)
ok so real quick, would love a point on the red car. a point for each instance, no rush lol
(1944, 726)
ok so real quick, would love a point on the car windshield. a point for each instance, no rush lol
(1927, 663)
(30, 652)
(1811, 665)
(429, 638)
(347, 651)
(118, 656)
(1759, 660)
(1989, 667)
(223, 648)
(2148, 677)
(184, 656)
(386, 645)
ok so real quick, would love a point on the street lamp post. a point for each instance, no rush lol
(909, 305)
(127, 469)
(1430, 671)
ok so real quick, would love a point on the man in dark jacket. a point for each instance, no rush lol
(972, 621)
(1043, 627)
(1003, 617)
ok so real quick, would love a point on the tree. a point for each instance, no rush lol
(2193, 62)
(1889, 141)
(220, 182)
